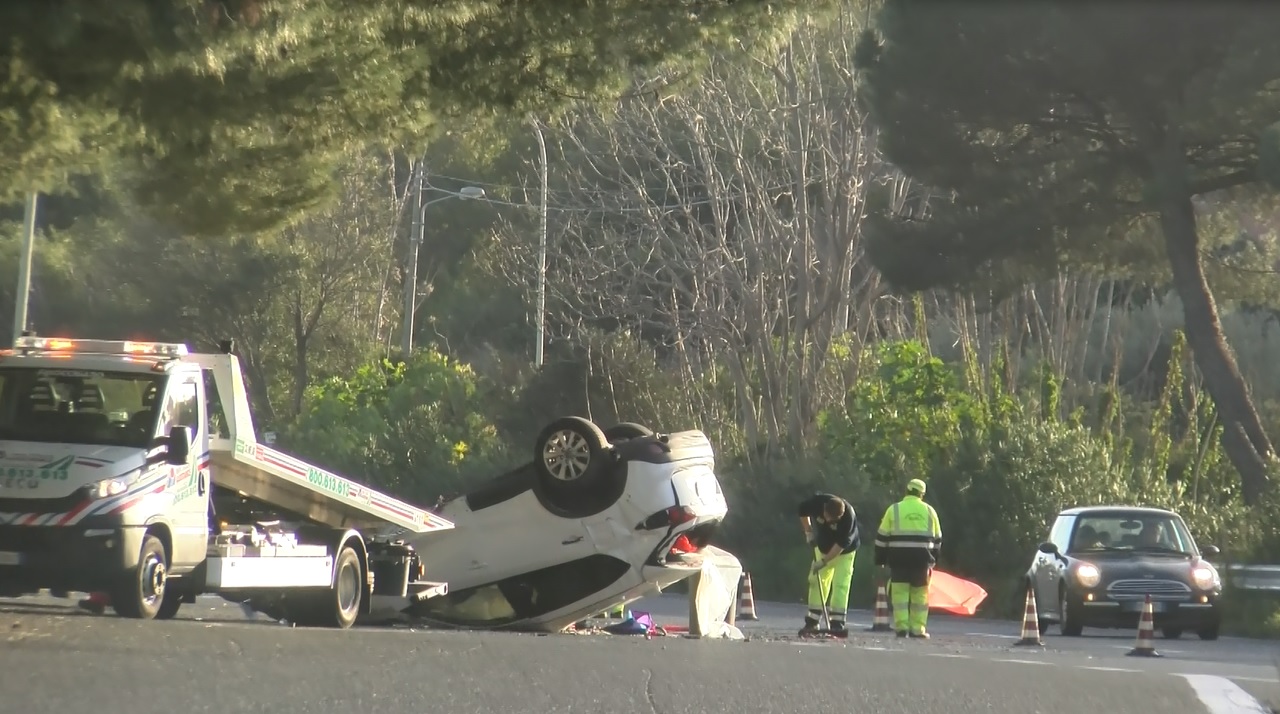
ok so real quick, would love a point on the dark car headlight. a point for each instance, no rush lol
(1088, 575)
(1204, 577)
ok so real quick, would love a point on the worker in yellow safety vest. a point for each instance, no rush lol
(908, 543)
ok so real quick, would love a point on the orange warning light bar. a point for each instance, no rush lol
(28, 343)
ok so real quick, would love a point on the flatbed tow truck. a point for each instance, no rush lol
(133, 468)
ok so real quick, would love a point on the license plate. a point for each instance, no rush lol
(7, 558)
(1137, 605)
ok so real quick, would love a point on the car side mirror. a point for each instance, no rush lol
(1210, 551)
(1048, 548)
(179, 446)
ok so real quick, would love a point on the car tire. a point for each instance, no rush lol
(1209, 632)
(141, 592)
(626, 430)
(1069, 625)
(569, 455)
(1171, 633)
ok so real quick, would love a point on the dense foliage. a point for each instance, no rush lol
(1063, 131)
(227, 114)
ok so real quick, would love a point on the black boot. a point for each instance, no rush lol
(839, 630)
(810, 628)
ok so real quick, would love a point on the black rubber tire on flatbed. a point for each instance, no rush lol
(626, 430)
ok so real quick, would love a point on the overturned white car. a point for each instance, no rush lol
(596, 519)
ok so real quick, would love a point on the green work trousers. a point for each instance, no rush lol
(909, 598)
(832, 581)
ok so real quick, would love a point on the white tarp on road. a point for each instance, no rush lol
(713, 594)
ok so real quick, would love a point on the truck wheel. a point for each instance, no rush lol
(626, 430)
(170, 604)
(570, 455)
(142, 591)
(343, 604)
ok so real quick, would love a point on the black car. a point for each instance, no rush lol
(1100, 563)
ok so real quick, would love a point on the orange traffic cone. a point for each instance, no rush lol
(1030, 624)
(747, 603)
(1145, 646)
(881, 621)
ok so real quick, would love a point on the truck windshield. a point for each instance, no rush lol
(72, 406)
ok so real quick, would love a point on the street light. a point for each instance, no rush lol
(23, 294)
(415, 240)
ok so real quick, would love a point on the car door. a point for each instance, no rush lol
(1054, 566)
(188, 484)
(1040, 575)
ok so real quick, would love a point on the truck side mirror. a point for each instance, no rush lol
(179, 446)
(1048, 548)
(1211, 551)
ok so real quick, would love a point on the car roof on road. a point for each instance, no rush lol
(1085, 510)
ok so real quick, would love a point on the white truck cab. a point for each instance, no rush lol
(133, 468)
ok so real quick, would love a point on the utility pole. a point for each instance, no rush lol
(23, 295)
(411, 269)
(542, 247)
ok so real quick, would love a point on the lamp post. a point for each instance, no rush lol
(415, 240)
(541, 314)
(23, 294)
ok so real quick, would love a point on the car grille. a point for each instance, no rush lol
(1157, 589)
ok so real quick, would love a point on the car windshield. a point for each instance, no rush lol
(1142, 532)
(485, 606)
(78, 406)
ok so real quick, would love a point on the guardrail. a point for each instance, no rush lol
(1264, 578)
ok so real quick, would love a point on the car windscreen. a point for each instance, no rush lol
(76, 406)
(1133, 532)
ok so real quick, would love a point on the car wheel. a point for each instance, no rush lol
(626, 430)
(1208, 632)
(1067, 621)
(1171, 633)
(570, 454)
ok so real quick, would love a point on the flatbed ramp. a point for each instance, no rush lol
(274, 477)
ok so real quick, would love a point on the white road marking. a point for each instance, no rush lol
(1113, 669)
(988, 634)
(1222, 696)
(1021, 661)
(947, 654)
(1263, 680)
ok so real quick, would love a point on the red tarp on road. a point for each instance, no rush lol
(954, 595)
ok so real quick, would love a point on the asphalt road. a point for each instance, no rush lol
(1251, 664)
(55, 658)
